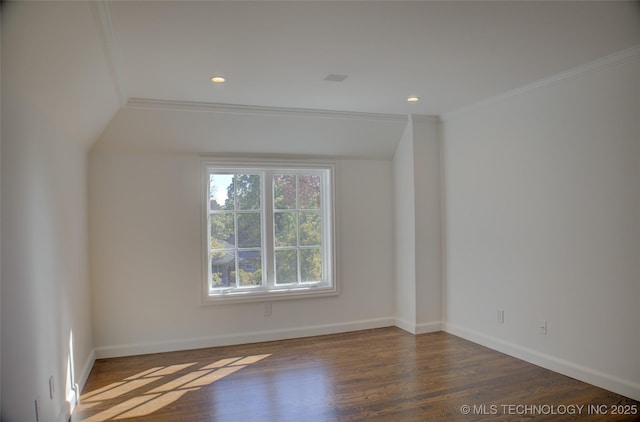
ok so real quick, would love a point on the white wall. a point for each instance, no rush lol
(146, 240)
(53, 70)
(428, 236)
(542, 221)
(418, 258)
(405, 232)
(0, 209)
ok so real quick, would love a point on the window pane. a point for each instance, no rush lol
(286, 266)
(293, 246)
(284, 192)
(249, 230)
(247, 191)
(221, 192)
(309, 229)
(286, 230)
(223, 269)
(250, 268)
(309, 192)
(311, 264)
(222, 231)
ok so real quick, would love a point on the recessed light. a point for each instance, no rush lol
(413, 99)
(218, 79)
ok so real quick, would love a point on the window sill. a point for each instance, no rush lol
(268, 296)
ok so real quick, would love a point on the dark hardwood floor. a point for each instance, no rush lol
(374, 375)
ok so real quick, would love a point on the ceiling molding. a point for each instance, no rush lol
(620, 56)
(259, 110)
(111, 51)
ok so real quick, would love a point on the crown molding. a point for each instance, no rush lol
(112, 53)
(612, 59)
(146, 103)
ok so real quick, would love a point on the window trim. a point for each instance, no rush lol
(271, 293)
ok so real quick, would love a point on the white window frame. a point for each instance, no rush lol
(269, 291)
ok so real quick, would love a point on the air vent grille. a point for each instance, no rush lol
(332, 77)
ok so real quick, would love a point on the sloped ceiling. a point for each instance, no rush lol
(161, 127)
(55, 70)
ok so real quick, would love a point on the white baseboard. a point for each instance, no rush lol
(84, 373)
(240, 338)
(65, 413)
(609, 382)
(405, 325)
(73, 398)
(428, 327)
(421, 328)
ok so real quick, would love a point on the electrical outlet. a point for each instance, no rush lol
(500, 316)
(37, 409)
(267, 309)
(542, 327)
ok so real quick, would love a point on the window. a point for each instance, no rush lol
(269, 230)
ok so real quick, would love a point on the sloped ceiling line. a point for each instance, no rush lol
(111, 51)
(260, 110)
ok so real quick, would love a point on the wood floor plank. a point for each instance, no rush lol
(373, 375)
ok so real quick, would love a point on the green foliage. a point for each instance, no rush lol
(309, 192)
(297, 227)
(291, 192)
(284, 192)
(309, 229)
(249, 230)
(249, 278)
(216, 280)
(286, 232)
(246, 193)
(286, 266)
(297, 224)
(221, 230)
(311, 264)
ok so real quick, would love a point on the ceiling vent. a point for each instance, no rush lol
(332, 77)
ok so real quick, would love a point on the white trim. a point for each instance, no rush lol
(84, 373)
(428, 327)
(147, 103)
(112, 54)
(70, 404)
(248, 296)
(419, 328)
(405, 325)
(241, 338)
(428, 118)
(609, 382)
(443, 222)
(65, 413)
(73, 398)
(620, 56)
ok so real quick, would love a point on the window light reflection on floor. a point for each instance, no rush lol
(158, 396)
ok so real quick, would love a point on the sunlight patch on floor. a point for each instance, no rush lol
(121, 389)
(156, 404)
(173, 387)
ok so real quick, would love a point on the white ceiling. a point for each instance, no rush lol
(451, 54)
